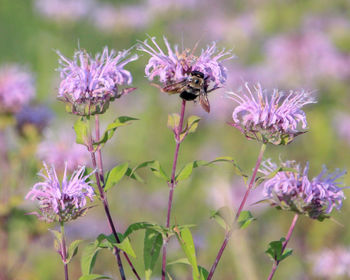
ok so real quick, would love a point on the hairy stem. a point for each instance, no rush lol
(172, 183)
(64, 252)
(244, 200)
(285, 243)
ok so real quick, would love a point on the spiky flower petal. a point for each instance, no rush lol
(89, 84)
(173, 66)
(61, 201)
(274, 117)
(291, 189)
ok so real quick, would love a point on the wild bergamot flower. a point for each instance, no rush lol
(89, 84)
(175, 66)
(61, 201)
(293, 190)
(275, 117)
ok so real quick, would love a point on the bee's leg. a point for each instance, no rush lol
(157, 86)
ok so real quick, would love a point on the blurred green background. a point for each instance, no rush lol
(285, 44)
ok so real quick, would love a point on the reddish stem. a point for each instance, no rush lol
(244, 200)
(289, 234)
(64, 253)
(100, 181)
(172, 183)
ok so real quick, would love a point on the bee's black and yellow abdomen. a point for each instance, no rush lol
(188, 95)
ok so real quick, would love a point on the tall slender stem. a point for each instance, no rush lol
(172, 183)
(105, 201)
(64, 253)
(289, 234)
(244, 200)
(99, 153)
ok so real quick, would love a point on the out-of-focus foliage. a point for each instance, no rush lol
(286, 44)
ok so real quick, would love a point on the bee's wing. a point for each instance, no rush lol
(175, 88)
(204, 101)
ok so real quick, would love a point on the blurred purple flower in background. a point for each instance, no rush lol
(159, 7)
(276, 118)
(38, 116)
(61, 201)
(228, 193)
(109, 18)
(64, 10)
(173, 66)
(60, 148)
(342, 125)
(332, 263)
(305, 58)
(293, 190)
(89, 84)
(16, 88)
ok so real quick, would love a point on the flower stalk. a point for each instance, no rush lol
(285, 243)
(97, 164)
(172, 183)
(244, 200)
(63, 252)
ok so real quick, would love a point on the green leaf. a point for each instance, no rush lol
(133, 175)
(115, 175)
(152, 244)
(203, 273)
(260, 180)
(58, 239)
(88, 257)
(186, 171)
(125, 246)
(287, 252)
(111, 128)
(94, 277)
(173, 121)
(244, 219)
(73, 250)
(155, 167)
(145, 225)
(57, 235)
(81, 128)
(191, 126)
(186, 241)
(179, 261)
(275, 250)
(224, 217)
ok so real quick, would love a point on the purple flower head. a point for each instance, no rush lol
(64, 10)
(88, 84)
(61, 201)
(291, 189)
(16, 88)
(332, 263)
(175, 66)
(270, 118)
(306, 57)
(37, 116)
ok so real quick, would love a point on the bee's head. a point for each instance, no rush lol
(196, 79)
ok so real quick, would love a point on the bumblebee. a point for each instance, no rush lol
(190, 88)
